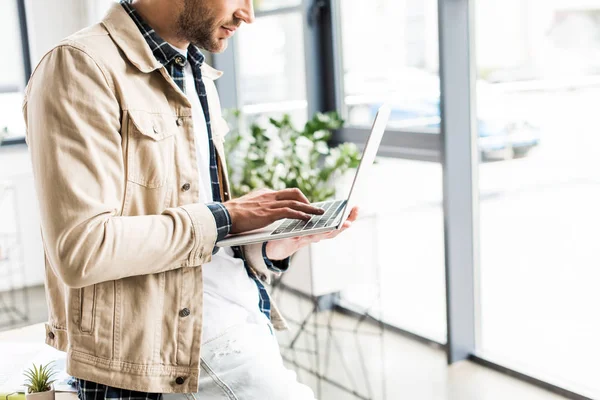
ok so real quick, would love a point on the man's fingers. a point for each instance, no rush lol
(312, 238)
(353, 214)
(296, 205)
(264, 206)
(326, 235)
(292, 194)
(287, 212)
(332, 234)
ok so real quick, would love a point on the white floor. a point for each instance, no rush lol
(413, 370)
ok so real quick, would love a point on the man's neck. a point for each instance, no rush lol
(162, 17)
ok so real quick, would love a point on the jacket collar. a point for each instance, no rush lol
(128, 37)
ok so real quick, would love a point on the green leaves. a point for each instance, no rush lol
(39, 379)
(279, 156)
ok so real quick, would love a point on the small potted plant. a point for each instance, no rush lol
(39, 382)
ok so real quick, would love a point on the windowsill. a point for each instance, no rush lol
(13, 142)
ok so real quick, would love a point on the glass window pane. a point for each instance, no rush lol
(538, 67)
(272, 78)
(267, 5)
(409, 247)
(12, 75)
(391, 56)
(12, 124)
(276, 72)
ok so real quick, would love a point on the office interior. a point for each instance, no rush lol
(472, 271)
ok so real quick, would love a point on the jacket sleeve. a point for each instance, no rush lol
(73, 132)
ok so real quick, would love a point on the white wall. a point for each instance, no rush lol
(48, 22)
(51, 20)
(15, 168)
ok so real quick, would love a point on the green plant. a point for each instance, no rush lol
(39, 379)
(279, 156)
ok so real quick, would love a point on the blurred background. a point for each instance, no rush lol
(482, 218)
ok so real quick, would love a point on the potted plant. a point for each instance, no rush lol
(276, 155)
(279, 156)
(39, 382)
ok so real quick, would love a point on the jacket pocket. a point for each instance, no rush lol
(87, 312)
(151, 147)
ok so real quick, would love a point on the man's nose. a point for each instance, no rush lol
(246, 12)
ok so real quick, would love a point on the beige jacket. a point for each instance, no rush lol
(112, 147)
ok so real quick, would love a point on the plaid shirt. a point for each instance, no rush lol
(174, 62)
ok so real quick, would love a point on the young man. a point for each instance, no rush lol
(126, 137)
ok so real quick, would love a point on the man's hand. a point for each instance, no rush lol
(263, 207)
(280, 249)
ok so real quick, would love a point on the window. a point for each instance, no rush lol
(390, 54)
(523, 244)
(269, 5)
(408, 248)
(538, 66)
(272, 78)
(12, 73)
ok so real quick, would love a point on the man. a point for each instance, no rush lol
(126, 137)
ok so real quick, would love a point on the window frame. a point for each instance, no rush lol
(459, 157)
(25, 50)
(418, 144)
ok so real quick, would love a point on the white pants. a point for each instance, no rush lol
(244, 363)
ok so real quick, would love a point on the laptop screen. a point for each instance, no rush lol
(367, 158)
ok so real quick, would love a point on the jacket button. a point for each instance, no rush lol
(184, 312)
(179, 121)
(51, 335)
(179, 380)
(185, 187)
(155, 129)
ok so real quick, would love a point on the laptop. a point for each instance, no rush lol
(336, 211)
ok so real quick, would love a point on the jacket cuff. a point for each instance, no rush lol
(275, 265)
(204, 233)
(222, 220)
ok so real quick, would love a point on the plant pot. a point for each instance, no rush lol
(49, 395)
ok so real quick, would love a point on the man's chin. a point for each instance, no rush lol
(218, 46)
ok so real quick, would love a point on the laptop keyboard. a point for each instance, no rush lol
(332, 210)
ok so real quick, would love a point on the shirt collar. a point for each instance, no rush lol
(142, 45)
(162, 50)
